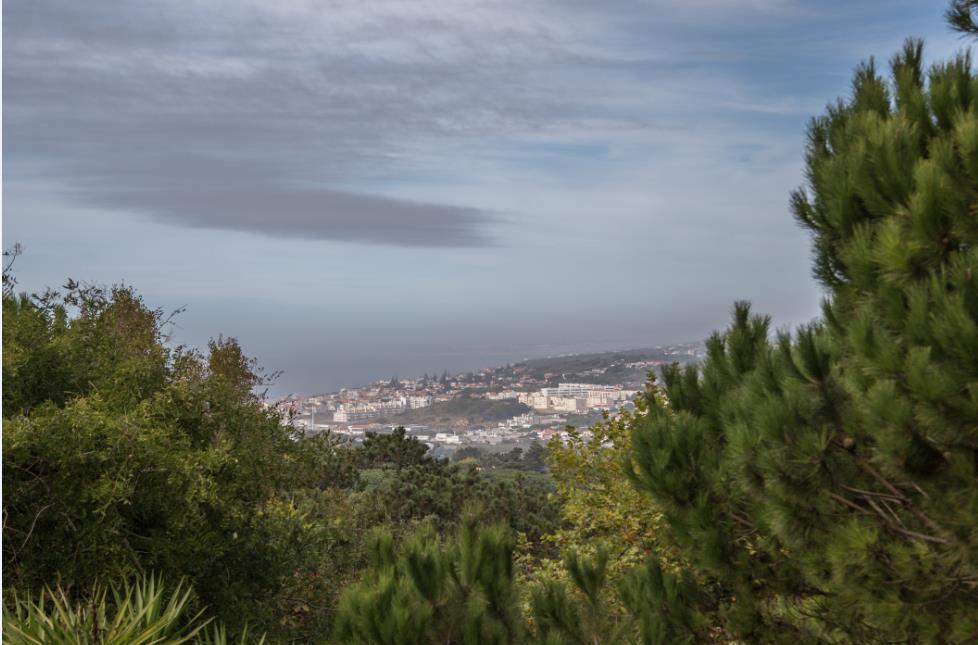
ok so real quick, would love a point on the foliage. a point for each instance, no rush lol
(438, 492)
(462, 410)
(10, 256)
(123, 456)
(141, 613)
(559, 617)
(534, 459)
(598, 504)
(394, 450)
(649, 606)
(823, 483)
(961, 16)
(459, 590)
(543, 481)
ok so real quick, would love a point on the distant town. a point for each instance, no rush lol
(495, 408)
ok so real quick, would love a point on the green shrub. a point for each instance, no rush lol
(130, 614)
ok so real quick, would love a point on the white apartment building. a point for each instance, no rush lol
(348, 412)
(505, 394)
(415, 402)
(572, 404)
(607, 399)
(575, 397)
(580, 389)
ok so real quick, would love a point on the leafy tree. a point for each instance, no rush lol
(123, 456)
(598, 504)
(10, 256)
(535, 458)
(824, 486)
(330, 461)
(112, 346)
(394, 450)
(466, 453)
(437, 492)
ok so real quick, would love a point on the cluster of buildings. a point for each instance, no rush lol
(356, 411)
(373, 408)
(577, 398)
(354, 405)
(522, 428)
(530, 420)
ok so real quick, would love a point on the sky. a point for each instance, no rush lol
(359, 190)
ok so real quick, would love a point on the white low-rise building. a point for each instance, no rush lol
(576, 397)
(349, 412)
(415, 402)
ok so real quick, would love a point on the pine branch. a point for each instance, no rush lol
(887, 521)
(907, 503)
(961, 16)
(869, 493)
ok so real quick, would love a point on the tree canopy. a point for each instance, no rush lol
(825, 482)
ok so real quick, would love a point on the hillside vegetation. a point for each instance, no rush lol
(463, 411)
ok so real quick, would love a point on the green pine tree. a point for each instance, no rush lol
(432, 590)
(651, 605)
(961, 16)
(824, 485)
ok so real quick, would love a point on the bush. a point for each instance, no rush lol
(128, 615)
(123, 456)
